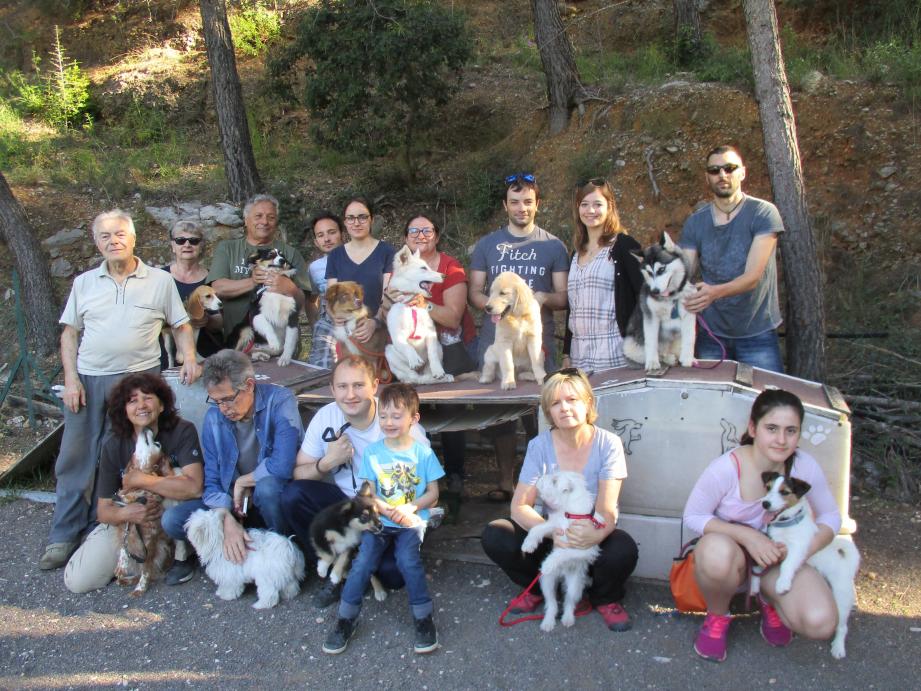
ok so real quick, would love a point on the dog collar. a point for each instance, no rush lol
(788, 521)
(588, 517)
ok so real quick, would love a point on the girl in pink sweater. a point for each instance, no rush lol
(725, 508)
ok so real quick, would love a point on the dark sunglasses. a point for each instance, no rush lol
(595, 182)
(329, 435)
(192, 241)
(571, 372)
(728, 168)
(519, 177)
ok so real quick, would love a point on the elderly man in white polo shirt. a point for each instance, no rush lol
(120, 307)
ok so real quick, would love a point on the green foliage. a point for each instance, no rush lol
(590, 162)
(377, 74)
(731, 63)
(254, 28)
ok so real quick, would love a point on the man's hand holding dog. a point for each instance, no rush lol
(235, 540)
(705, 296)
(74, 395)
(338, 453)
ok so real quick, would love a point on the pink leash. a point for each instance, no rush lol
(712, 335)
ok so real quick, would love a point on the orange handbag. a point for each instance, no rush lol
(683, 584)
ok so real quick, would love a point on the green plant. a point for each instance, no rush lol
(67, 92)
(731, 63)
(377, 74)
(590, 162)
(253, 28)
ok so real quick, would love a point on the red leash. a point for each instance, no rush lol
(584, 608)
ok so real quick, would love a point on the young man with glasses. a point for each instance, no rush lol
(330, 456)
(235, 280)
(733, 241)
(249, 441)
(541, 260)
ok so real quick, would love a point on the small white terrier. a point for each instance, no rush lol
(795, 526)
(273, 562)
(566, 498)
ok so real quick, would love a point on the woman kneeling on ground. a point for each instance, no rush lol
(725, 508)
(573, 443)
(136, 403)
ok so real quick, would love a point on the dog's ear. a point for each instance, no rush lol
(366, 490)
(194, 306)
(637, 255)
(769, 477)
(666, 242)
(799, 487)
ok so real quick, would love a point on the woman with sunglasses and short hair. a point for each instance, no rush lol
(573, 443)
(363, 259)
(187, 245)
(604, 280)
(456, 329)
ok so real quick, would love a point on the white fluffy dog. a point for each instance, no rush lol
(565, 497)
(273, 562)
(795, 527)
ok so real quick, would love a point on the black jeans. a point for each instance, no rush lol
(502, 543)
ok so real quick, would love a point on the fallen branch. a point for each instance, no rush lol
(652, 175)
(884, 401)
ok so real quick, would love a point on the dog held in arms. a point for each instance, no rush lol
(270, 328)
(662, 330)
(336, 532)
(345, 305)
(795, 527)
(146, 551)
(272, 562)
(414, 354)
(565, 497)
(201, 302)
(517, 348)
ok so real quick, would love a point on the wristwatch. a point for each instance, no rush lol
(429, 307)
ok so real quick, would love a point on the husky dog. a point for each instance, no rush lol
(336, 532)
(415, 352)
(273, 563)
(795, 526)
(662, 329)
(566, 498)
(517, 348)
(146, 550)
(271, 325)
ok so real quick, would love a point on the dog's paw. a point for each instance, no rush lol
(380, 595)
(509, 385)
(414, 361)
(260, 356)
(687, 362)
(783, 585)
(548, 624)
(568, 619)
(283, 361)
(837, 649)
(539, 377)
(265, 604)
(322, 569)
(334, 577)
(653, 365)
(529, 545)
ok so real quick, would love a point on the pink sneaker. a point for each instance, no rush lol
(615, 616)
(773, 630)
(525, 603)
(711, 639)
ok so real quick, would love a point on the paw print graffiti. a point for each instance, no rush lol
(816, 434)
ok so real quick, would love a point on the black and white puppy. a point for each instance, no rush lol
(336, 532)
(270, 328)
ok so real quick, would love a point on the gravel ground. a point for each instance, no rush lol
(185, 637)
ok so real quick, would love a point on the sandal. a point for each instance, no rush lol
(499, 495)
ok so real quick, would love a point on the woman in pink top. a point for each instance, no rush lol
(725, 508)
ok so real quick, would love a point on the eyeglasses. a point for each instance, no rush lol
(225, 402)
(520, 177)
(360, 218)
(427, 232)
(728, 168)
(192, 241)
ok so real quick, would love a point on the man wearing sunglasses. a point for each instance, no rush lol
(326, 469)
(112, 321)
(231, 275)
(733, 240)
(528, 250)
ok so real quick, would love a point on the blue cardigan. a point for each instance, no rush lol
(278, 431)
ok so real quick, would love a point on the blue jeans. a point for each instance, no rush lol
(761, 351)
(409, 562)
(173, 519)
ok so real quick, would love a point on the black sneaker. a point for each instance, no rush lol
(426, 636)
(327, 594)
(338, 639)
(181, 572)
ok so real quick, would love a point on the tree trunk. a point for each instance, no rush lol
(805, 313)
(37, 296)
(239, 162)
(564, 89)
(688, 39)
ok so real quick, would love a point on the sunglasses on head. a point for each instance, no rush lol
(571, 372)
(728, 168)
(595, 182)
(519, 177)
(192, 241)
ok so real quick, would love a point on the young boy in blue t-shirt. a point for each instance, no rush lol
(405, 476)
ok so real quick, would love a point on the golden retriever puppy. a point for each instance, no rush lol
(345, 306)
(517, 349)
(202, 301)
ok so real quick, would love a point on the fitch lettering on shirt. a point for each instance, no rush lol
(509, 254)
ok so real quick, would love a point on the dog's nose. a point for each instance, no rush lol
(766, 504)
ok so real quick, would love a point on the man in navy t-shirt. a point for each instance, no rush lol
(733, 241)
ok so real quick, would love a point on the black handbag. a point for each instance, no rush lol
(456, 360)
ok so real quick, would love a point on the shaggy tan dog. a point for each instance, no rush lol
(517, 349)
(345, 302)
